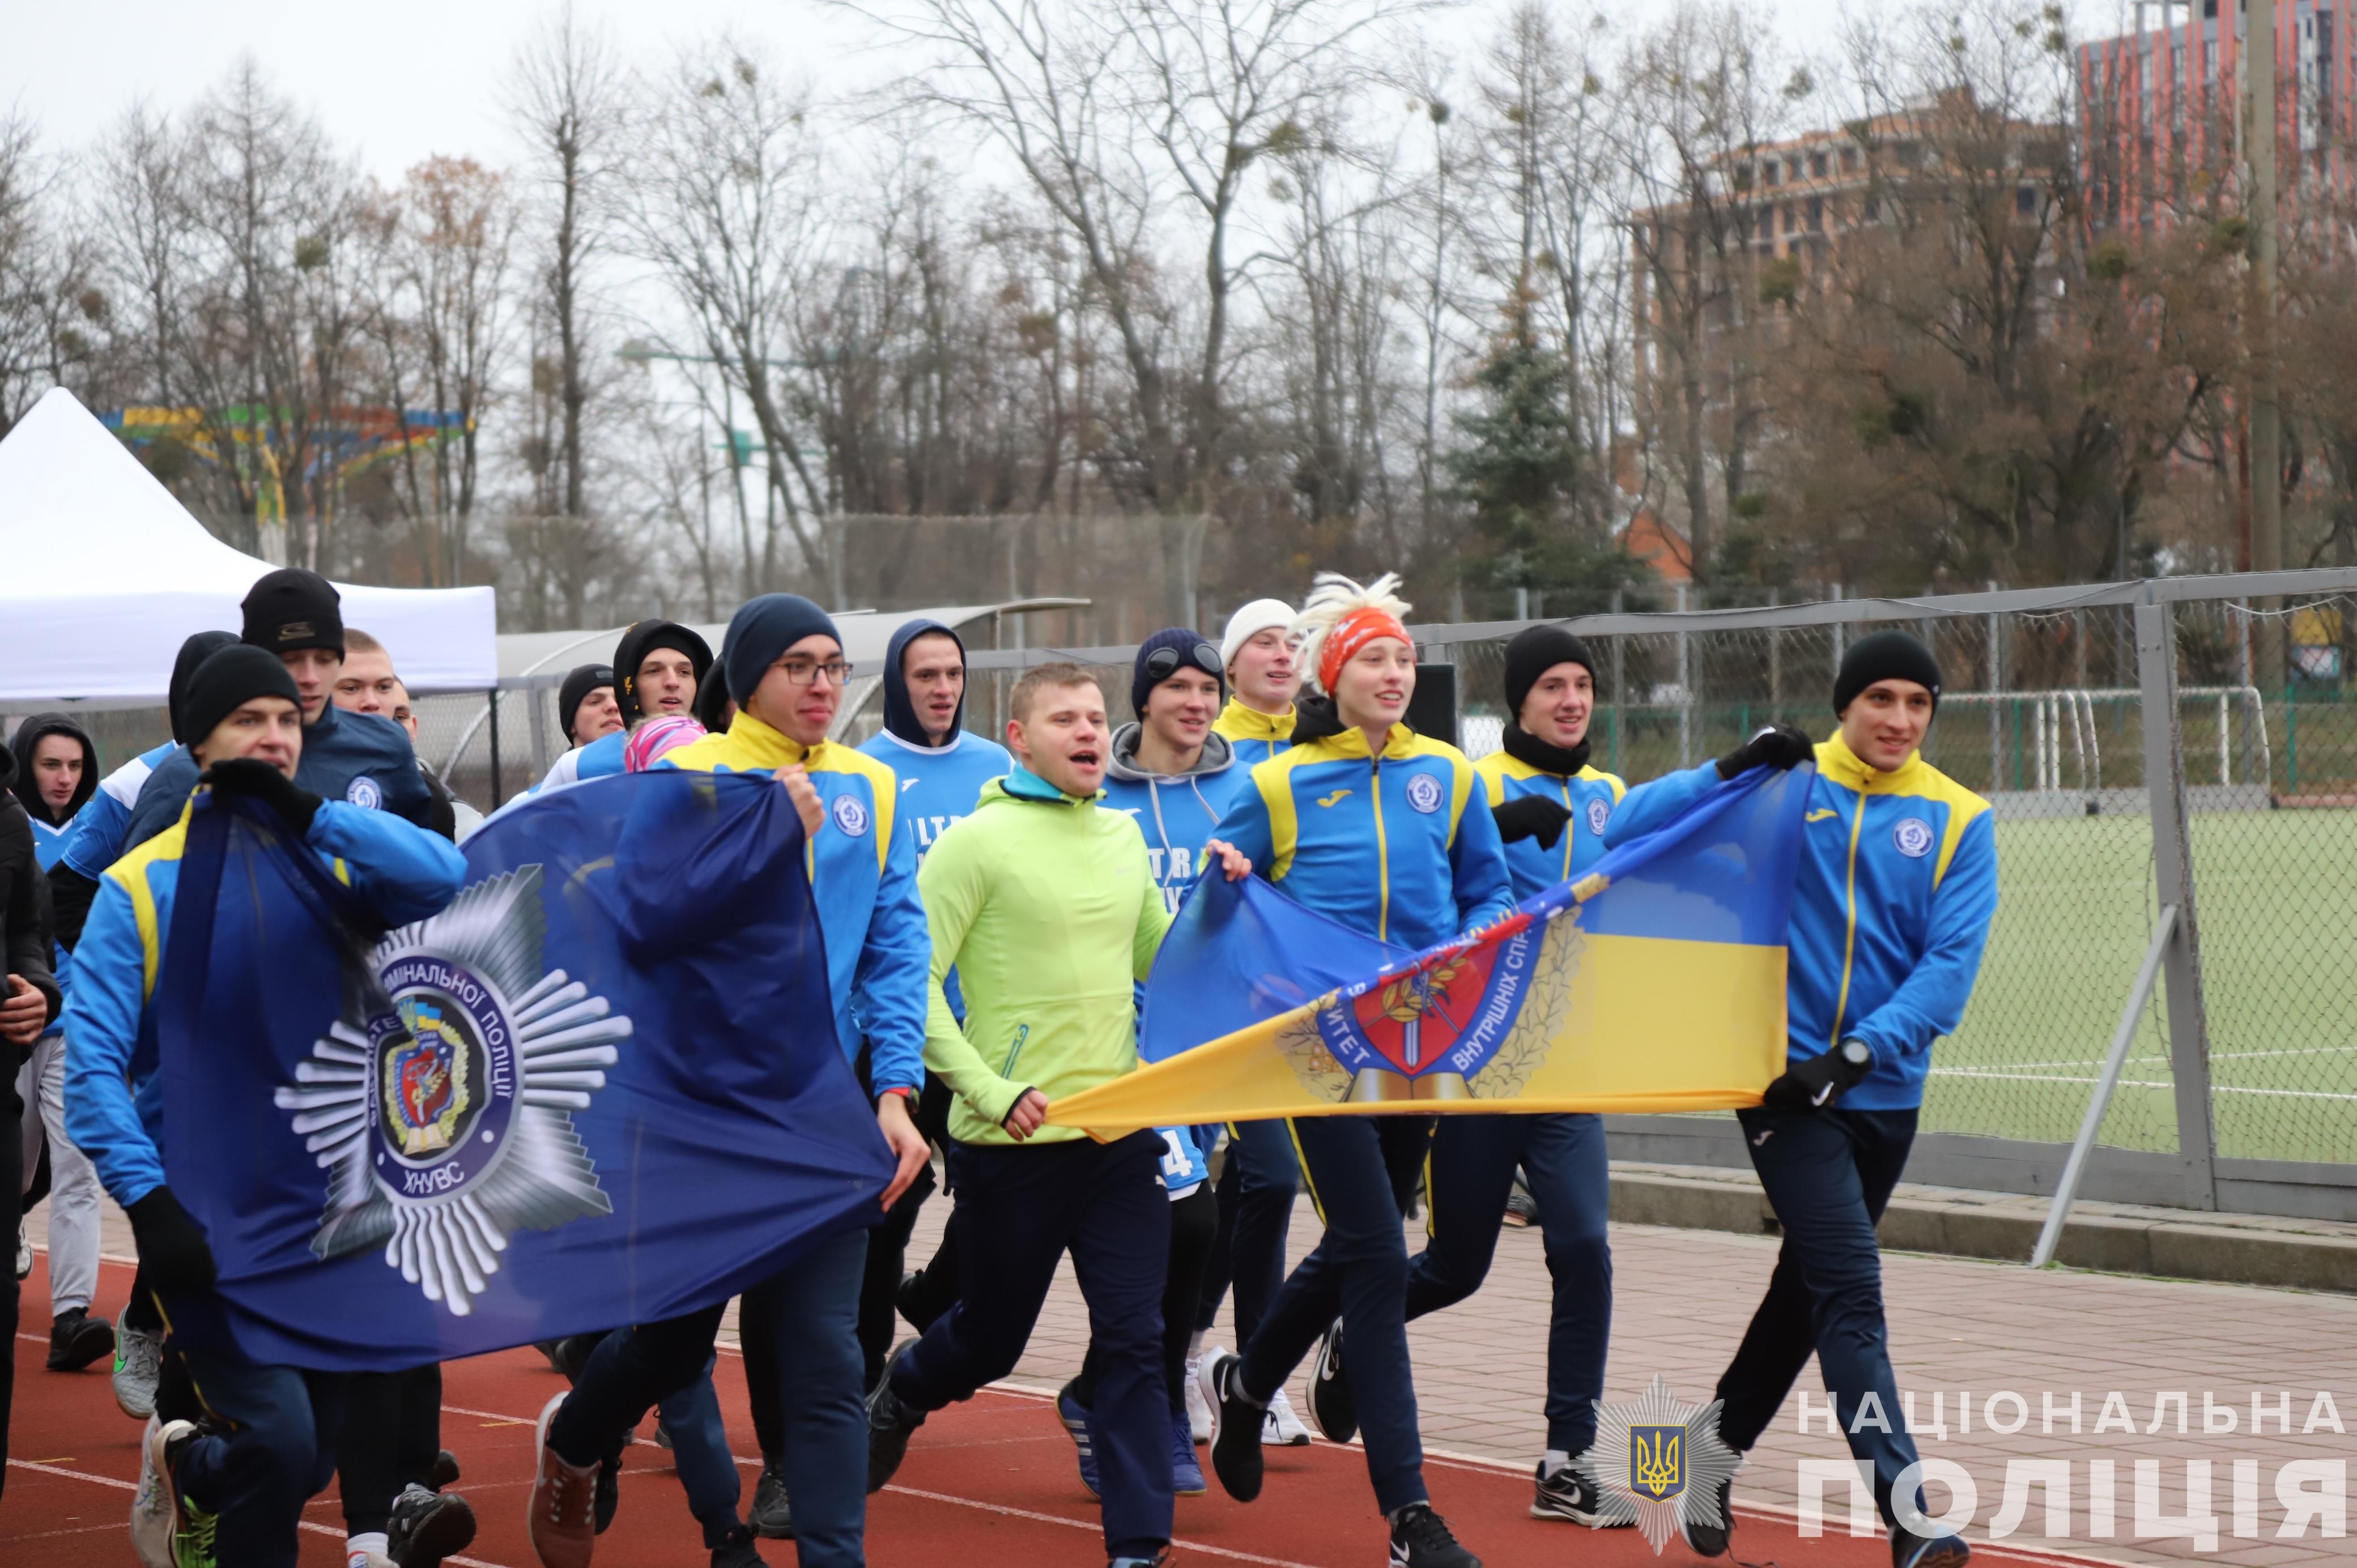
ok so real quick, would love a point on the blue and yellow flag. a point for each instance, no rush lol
(1654, 982)
(601, 1087)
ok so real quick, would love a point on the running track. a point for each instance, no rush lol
(989, 1484)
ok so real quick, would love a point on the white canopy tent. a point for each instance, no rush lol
(103, 574)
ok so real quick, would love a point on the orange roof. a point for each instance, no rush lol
(1658, 545)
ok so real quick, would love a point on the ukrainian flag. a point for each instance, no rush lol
(1654, 982)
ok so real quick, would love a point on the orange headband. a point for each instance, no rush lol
(1352, 633)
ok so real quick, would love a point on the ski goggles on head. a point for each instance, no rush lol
(1165, 663)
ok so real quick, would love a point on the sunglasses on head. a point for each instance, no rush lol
(1163, 663)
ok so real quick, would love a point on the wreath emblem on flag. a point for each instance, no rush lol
(440, 1104)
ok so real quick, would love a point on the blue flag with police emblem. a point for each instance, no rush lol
(603, 1086)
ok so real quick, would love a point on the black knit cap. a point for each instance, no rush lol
(1535, 650)
(583, 680)
(1190, 647)
(642, 638)
(1885, 656)
(199, 647)
(292, 608)
(234, 676)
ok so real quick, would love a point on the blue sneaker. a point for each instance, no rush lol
(1081, 1427)
(1185, 1470)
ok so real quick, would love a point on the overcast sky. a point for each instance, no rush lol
(402, 82)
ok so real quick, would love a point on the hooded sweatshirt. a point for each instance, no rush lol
(1045, 905)
(938, 784)
(604, 756)
(50, 834)
(1175, 812)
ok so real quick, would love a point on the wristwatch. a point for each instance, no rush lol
(1857, 1053)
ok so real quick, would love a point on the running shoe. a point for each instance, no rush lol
(1236, 1427)
(138, 1363)
(24, 1253)
(1421, 1539)
(1185, 1470)
(1330, 1389)
(444, 1470)
(738, 1551)
(561, 1513)
(76, 1339)
(1199, 1413)
(891, 1423)
(1568, 1495)
(1908, 1550)
(1709, 1539)
(150, 1506)
(772, 1517)
(428, 1526)
(1080, 1427)
(1281, 1428)
(192, 1529)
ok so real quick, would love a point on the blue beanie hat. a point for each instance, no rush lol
(761, 631)
(1194, 653)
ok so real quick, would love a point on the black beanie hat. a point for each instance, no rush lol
(292, 608)
(236, 674)
(583, 680)
(1191, 645)
(760, 632)
(1535, 650)
(193, 652)
(643, 637)
(1885, 656)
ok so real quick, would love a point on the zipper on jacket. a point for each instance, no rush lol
(1014, 1051)
(1570, 829)
(1382, 852)
(1849, 940)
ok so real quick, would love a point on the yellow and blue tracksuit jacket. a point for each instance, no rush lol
(1401, 846)
(1254, 737)
(1590, 796)
(863, 876)
(114, 1110)
(1890, 910)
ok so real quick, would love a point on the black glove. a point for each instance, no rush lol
(1821, 1080)
(1780, 747)
(1531, 817)
(173, 1253)
(258, 780)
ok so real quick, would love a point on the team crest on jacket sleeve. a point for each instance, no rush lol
(1657, 1463)
(1599, 812)
(440, 1104)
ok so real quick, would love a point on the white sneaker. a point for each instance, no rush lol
(1199, 1409)
(151, 1507)
(139, 1365)
(1280, 1428)
(24, 1253)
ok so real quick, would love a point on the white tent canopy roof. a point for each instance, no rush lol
(106, 575)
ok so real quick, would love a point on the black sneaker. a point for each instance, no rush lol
(738, 1551)
(889, 1423)
(1908, 1550)
(1710, 1539)
(608, 1494)
(772, 1517)
(1236, 1427)
(1421, 1539)
(444, 1470)
(1570, 1495)
(1330, 1389)
(427, 1527)
(1159, 1560)
(77, 1340)
(909, 1299)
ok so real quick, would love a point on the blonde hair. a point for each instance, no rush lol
(1332, 598)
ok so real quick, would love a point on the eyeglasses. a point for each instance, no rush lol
(1163, 663)
(803, 672)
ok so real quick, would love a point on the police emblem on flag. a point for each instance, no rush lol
(1657, 1464)
(440, 1104)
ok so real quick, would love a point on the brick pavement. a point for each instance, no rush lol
(1682, 1298)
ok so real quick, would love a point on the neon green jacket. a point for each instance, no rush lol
(1045, 906)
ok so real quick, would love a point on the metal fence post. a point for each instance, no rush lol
(497, 799)
(1685, 689)
(2164, 783)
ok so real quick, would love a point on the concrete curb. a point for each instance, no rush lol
(2115, 1238)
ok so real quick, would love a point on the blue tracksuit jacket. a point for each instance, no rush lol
(1254, 737)
(97, 836)
(938, 785)
(1897, 887)
(1591, 797)
(863, 873)
(1401, 846)
(114, 1109)
(362, 759)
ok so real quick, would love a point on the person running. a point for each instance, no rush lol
(1173, 776)
(1375, 826)
(783, 661)
(1047, 907)
(1552, 809)
(1260, 1177)
(28, 1005)
(234, 1487)
(660, 666)
(1890, 912)
(57, 774)
(364, 760)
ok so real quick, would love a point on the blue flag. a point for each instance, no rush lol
(602, 1086)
